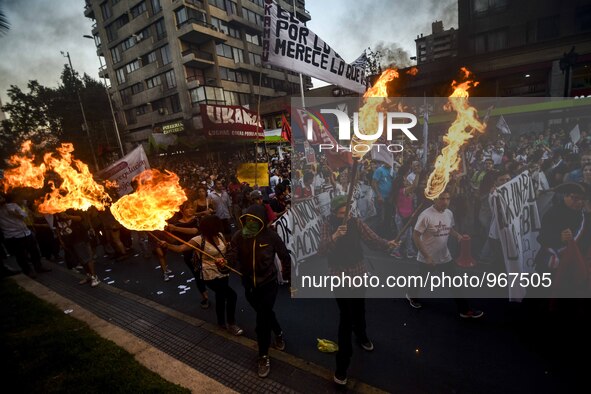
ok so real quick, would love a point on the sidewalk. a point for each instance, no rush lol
(182, 349)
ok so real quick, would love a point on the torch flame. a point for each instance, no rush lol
(157, 198)
(26, 174)
(368, 113)
(78, 190)
(449, 160)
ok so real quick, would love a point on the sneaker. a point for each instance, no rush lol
(94, 281)
(205, 303)
(415, 304)
(396, 254)
(367, 345)
(85, 280)
(235, 330)
(339, 379)
(471, 314)
(411, 255)
(264, 365)
(279, 342)
(166, 277)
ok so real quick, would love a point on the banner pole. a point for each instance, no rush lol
(301, 78)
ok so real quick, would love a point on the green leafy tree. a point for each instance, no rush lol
(31, 117)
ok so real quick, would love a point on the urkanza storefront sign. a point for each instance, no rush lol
(222, 121)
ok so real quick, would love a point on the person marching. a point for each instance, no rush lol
(431, 233)
(252, 251)
(341, 243)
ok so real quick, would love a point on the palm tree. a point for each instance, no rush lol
(4, 25)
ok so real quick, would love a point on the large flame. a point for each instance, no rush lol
(157, 198)
(78, 190)
(461, 130)
(26, 174)
(368, 113)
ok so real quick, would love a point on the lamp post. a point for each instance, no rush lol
(110, 104)
(96, 166)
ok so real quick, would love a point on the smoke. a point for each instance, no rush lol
(392, 55)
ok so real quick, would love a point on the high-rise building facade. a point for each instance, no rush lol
(440, 44)
(164, 58)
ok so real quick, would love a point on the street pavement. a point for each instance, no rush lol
(430, 350)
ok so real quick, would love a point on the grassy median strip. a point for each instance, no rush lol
(45, 350)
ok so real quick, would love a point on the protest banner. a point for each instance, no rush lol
(222, 121)
(289, 44)
(518, 223)
(253, 173)
(124, 169)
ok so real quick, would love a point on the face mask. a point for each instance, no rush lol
(250, 229)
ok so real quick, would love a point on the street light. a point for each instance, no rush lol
(110, 104)
(96, 166)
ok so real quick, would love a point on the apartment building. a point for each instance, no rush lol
(164, 58)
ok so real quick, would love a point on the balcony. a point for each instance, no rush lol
(197, 59)
(89, 11)
(251, 67)
(196, 4)
(239, 21)
(199, 32)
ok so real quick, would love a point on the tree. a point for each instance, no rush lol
(31, 117)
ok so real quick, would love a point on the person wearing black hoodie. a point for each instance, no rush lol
(252, 252)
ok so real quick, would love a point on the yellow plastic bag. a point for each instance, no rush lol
(327, 346)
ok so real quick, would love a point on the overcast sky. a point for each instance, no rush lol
(40, 29)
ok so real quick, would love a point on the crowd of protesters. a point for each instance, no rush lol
(223, 215)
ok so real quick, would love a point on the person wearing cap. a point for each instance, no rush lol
(340, 242)
(564, 227)
(256, 197)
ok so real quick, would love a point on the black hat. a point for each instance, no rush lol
(572, 188)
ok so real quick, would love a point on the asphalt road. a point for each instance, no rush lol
(431, 350)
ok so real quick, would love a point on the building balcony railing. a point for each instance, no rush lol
(198, 32)
(197, 58)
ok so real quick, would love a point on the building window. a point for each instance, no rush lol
(141, 110)
(236, 98)
(128, 43)
(131, 67)
(224, 50)
(121, 21)
(156, 6)
(231, 8)
(260, 3)
(482, 7)
(187, 15)
(254, 59)
(106, 11)
(111, 33)
(195, 74)
(115, 55)
(153, 82)
(224, 28)
(151, 57)
(139, 9)
(253, 38)
(121, 75)
(136, 88)
(238, 55)
(175, 104)
(170, 79)
(233, 75)
(218, 3)
(130, 116)
(207, 94)
(490, 41)
(252, 17)
(160, 29)
(165, 52)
